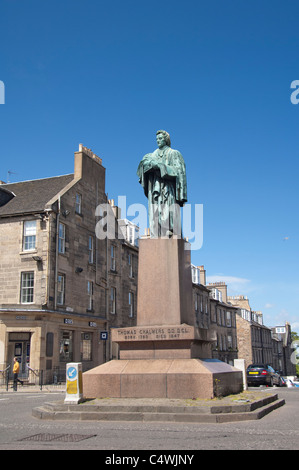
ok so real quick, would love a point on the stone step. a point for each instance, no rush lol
(200, 414)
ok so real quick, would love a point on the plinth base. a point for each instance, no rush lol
(162, 378)
(163, 342)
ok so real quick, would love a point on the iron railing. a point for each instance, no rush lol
(55, 376)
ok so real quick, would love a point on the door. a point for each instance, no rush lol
(19, 346)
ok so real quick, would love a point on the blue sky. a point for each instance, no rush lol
(215, 74)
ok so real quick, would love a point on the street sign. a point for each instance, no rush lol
(104, 335)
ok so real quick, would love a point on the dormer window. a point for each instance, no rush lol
(5, 196)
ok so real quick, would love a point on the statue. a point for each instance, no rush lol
(162, 175)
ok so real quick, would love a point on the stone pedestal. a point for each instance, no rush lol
(164, 294)
(162, 378)
(165, 355)
(163, 342)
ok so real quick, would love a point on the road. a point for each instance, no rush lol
(277, 431)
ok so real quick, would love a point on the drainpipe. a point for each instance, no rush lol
(107, 295)
(56, 253)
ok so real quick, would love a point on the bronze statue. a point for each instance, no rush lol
(163, 177)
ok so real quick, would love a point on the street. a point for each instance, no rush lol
(277, 431)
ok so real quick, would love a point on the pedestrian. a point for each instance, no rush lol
(16, 370)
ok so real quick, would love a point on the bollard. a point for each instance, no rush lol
(74, 388)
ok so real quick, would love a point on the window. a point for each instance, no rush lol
(60, 289)
(131, 304)
(90, 295)
(66, 346)
(86, 342)
(228, 319)
(61, 238)
(229, 341)
(27, 287)
(78, 207)
(29, 236)
(90, 249)
(131, 235)
(196, 302)
(195, 274)
(245, 314)
(130, 262)
(112, 258)
(280, 329)
(112, 300)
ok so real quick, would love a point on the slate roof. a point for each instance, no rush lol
(31, 196)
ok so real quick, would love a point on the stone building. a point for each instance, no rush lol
(201, 298)
(223, 319)
(283, 350)
(62, 285)
(214, 313)
(255, 342)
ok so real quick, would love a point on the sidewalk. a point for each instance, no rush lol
(34, 388)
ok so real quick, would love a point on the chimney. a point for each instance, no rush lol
(116, 209)
(82, 158)
(202, 275)
(223, 289)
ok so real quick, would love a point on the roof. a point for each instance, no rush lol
(31, 196)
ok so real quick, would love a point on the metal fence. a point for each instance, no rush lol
(55, 376)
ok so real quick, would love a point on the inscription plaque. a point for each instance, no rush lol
(158, 333)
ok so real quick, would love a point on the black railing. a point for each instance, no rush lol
(35, 377)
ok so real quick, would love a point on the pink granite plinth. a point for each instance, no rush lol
(162, 378)
(164, 282)
(163, 342)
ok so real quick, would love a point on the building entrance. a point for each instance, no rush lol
(19, 346)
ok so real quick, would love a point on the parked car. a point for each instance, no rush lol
(262, 374)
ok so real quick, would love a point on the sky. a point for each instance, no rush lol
(216, 74)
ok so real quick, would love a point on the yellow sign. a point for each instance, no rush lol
(71, 387)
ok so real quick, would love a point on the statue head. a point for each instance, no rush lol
(166, 137)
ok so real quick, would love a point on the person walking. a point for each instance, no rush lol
(16, 370)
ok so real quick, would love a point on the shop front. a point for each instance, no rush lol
(45, 343)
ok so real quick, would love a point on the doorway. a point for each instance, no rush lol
(19, 346)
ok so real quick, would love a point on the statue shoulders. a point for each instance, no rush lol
(175, 152)
(177, 156)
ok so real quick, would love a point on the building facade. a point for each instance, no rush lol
(254, 341)
(62, 286)
(214, 313)
(284, 355)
